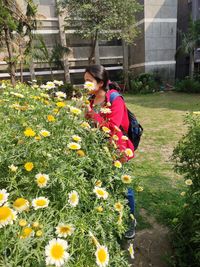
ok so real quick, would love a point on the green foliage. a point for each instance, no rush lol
(187, 162)
(188, 85)
(109, 18)
(145, 83)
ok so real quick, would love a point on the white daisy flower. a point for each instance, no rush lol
(100, 192)
(90, 86)
(3, 196)
(73, 198)
(56, 253)
(64, 230)
(21, 204)
(102, 256)
(61, 94)
(42, 179)
(40, 203)
(7, 216)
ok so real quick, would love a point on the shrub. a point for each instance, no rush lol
(145, 83)
(48, 150)
(188, 85)
(187, 162)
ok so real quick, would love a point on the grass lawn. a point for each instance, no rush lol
(162, 117)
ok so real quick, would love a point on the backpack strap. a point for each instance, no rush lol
(113, 96)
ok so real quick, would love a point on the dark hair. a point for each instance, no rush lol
(99, 73)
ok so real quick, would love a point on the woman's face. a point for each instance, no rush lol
(89, 78)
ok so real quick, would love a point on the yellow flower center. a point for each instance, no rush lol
(65, 229)
(26, 232)
(1, 196)
(19, 202)
(5, 213)
(100, 192)
(41, 180)
(102, 255)
(57, 251)
(41, 202)
(73, 198)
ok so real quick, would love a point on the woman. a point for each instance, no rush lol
(112, 116)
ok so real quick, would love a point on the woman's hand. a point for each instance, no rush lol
(89, 112)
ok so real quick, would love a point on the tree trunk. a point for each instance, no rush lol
(125, 65)
(191, 67)
(64, 44)
(94, 55)
(11, 63)
(21, 62)
(32, 70)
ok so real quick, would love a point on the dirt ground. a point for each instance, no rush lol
(152, 246)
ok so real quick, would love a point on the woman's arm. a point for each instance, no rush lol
(112, 119)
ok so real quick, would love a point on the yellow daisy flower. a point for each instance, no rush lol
(64, 230)
(56, 253)
(118, 206)
(85, 125)
(3, 196)
(106, 129)
(98, 183)
(75, 111)
(35, 224)
(7, 216)
(90, 86)
(99, 209)
(94, 239)
(117, 164)
(76, 138)
(51, 118)
(73, 198)
(115, 137)
(60, 104)
(73, 146)
(126, 179)
(182, 194)
(80, 153)
(27, 232)
(21, 204)
(188, 182)
(124, 137)
(45, 133)
(128, 152)
(131, 251)
(105, 110)
(139, 188)
(102, 256)
(13, 168)
(29, 132)
(28, 166)
(42, 179)
(100, 192)
(22, 222)
(40, 202)
(39, 233)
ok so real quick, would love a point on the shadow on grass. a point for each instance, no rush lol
(159, 199)
(166, 100)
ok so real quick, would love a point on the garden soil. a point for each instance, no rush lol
(152, 246)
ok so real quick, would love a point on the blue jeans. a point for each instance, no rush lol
(131, 200)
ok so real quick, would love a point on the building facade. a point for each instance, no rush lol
(155, 48)
(187, 9)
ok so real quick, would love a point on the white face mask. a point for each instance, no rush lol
(90, 86)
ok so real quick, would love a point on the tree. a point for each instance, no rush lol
(41, 53)
(189, 43)
(106, 19)
(14, 26)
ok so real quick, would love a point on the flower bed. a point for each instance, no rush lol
(62, 193)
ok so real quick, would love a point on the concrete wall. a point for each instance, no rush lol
(156, 48)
